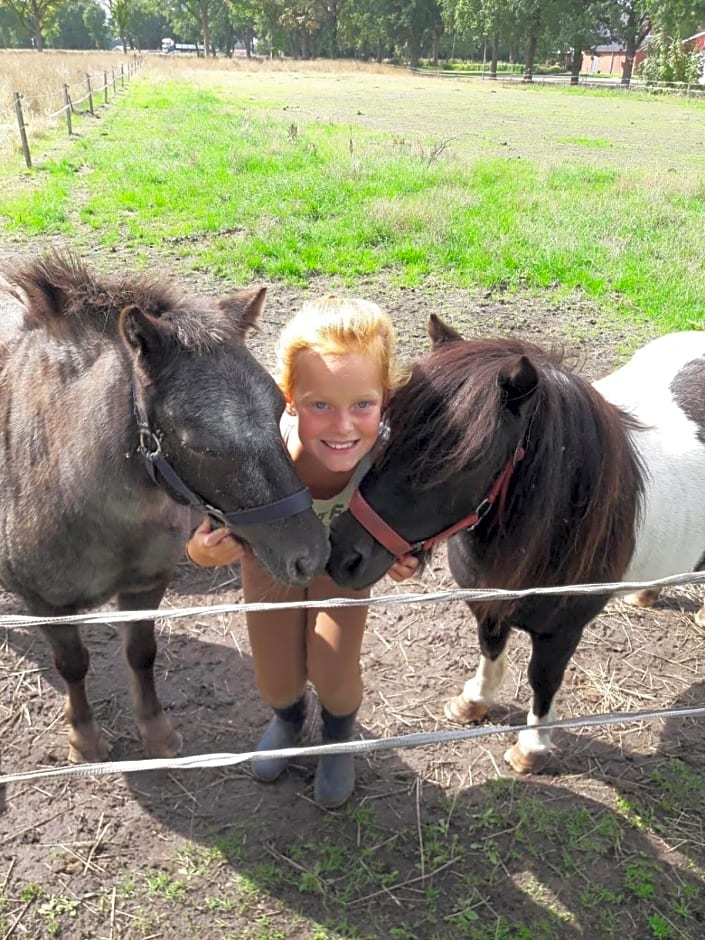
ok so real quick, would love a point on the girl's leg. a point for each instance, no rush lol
(334, 640)
(277, 637)
(333, 643)
(278, 644)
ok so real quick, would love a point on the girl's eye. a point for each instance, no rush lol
(319, 405)
(364, 404)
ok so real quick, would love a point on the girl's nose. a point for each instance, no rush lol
(342, 421)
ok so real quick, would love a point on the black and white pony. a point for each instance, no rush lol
(538, 478)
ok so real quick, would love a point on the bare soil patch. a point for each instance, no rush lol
(437, 842)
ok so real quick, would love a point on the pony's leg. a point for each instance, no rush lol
(645, 598)
(86, 742)
(479, 692)
(550, 654)
(159, 737)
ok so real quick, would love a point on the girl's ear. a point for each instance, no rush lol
(290, 410)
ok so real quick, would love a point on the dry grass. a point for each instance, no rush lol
(40, 79)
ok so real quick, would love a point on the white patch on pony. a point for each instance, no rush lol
(488, 678)
(536, 740)
(670, 536)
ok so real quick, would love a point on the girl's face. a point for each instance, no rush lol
(338, 400)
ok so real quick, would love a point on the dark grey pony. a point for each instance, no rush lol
(107, 385)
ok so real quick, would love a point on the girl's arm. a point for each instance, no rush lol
(209, 547)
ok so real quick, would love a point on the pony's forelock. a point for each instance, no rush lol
(61, 296)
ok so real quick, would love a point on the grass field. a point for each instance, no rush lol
(259, 173)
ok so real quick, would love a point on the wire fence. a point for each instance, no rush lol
(695, 89)
(77, 100)
(414, 739)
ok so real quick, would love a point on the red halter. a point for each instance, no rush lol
(399, 547)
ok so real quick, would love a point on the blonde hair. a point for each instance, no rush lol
(333, 325)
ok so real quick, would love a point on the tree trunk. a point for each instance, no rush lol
(495, 55)
(576, 63)
(629, 59)
(530, 56)
(205, 26)
(38, 38)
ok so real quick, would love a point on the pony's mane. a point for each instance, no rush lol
(454, 394)
(572, 500)
(63, 298)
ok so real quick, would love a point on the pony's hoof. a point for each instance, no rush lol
(160, 738)
(645, 598)
(458, 709)
(534, 762)
(87, 748)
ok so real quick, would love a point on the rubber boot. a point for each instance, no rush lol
(335, 774)
(284, 730)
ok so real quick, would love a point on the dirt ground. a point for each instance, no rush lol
(437, 842)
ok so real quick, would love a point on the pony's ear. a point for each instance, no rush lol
(518, 381)
(244, 309)
(440, 332)
(141, 333)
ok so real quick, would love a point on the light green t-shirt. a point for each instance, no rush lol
(328, 509)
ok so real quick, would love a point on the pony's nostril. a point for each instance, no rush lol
(304, 568)
(352, 563)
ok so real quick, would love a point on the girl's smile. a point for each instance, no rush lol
(338, 400)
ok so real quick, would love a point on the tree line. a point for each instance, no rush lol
(406, 31)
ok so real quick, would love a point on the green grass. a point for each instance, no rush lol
(247, 193)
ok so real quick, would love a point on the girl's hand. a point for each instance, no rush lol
(404, 568)
(209, 547)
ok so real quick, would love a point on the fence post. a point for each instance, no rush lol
(23, 132)
(114, 85)
(122, 74)
(67, 106)
(105, 85)
(90, 94)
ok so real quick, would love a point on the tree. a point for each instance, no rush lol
(35, 16)
(677, 18)
(581, 24)
(196, 15)
(79, 25)
(366, 28)
(669, 61)
(415, 22)
(484, 20)
(630, 24)
(121, 18)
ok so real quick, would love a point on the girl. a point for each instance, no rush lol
(336, 368)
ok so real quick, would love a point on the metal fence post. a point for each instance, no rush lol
(67, 106)
(23, 132)
(114, 85)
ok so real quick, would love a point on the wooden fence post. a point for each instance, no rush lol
(67, 106)
(90, 94)
(105, 86)
(114, 85)
(122, 74)
(23, 132)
